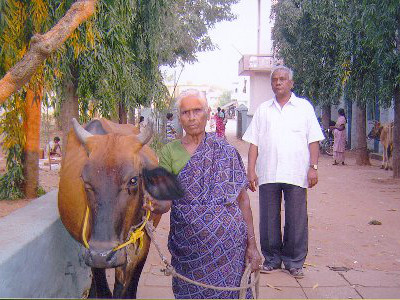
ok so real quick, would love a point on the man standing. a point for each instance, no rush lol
(283, 137)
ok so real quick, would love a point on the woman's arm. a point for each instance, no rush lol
(252, 254)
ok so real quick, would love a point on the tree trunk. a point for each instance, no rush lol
(396, 134)
(33, 103)
(69, 110)
(131, 116)
(122, 113)
(326, 115)
(362, 157)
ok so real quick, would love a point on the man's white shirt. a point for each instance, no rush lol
(282, 135)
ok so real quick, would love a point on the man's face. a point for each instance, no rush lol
(281, 84)
(193, 115)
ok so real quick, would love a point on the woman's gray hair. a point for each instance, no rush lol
(193, 93)
(284, 68)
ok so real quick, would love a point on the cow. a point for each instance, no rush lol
(107, 173)
(384, 133)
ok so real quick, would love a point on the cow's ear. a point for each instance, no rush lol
(161, 184)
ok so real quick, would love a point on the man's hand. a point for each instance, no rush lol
(312, 177)
(253, 180)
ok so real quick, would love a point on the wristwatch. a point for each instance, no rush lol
(315, 167)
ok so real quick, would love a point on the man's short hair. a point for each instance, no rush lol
(284, 68)
(191, 92)
(56, 139)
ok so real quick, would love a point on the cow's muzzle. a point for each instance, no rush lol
(104, 257)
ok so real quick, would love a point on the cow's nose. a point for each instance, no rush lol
(104, 257)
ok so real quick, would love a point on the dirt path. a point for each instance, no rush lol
(48, 180)
(340, 207)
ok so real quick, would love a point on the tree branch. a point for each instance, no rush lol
(43, 45)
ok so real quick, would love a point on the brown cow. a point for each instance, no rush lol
(107, 169)
(384, 133)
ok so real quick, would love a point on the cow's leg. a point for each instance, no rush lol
(99, 287)
(130, 289)
(119, 281)
(384, 157)
(387, 158)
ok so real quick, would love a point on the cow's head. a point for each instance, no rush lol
(375, 132)
(118, 172)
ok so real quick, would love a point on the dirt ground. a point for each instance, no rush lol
(48, 180)
(340, 208)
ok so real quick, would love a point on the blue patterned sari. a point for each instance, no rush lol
(208, 234)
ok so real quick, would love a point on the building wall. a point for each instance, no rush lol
(38, 258)
(260, 90)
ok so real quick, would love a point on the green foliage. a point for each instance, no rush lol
(11, 182)
(19, 20)
(225, 98)
(157, 143)
(41, 191)
(306, 37)
(381, 26)
(185, 28)
(116, 58)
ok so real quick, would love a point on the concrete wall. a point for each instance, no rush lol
(260, 90)
(38, 258)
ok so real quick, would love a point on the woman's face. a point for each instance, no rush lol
(193, 115)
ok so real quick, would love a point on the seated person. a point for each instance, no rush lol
(54, 148)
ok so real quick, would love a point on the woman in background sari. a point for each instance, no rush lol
(339, 134)
(220, 125)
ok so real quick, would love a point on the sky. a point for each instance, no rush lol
(220, 67)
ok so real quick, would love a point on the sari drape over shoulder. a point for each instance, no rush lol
(208, 234)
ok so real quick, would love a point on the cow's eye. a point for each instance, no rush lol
(133, 181)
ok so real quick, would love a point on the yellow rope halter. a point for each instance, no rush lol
(138, 234)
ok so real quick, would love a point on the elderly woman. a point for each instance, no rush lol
(212, 235)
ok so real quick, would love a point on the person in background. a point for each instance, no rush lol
(284, 137)
(220, 125)
(170, 132)
(54, 147)
(212, 122)
(211, 234)
(339, 134)
(141, 123)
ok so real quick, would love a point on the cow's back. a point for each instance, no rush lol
(71, 194)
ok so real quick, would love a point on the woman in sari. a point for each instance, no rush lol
(339, 134)
(220, 125)
(212, 235)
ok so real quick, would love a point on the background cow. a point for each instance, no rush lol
(108, 169)
(384, 133)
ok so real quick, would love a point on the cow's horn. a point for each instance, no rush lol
(80, 132)
(145, 136)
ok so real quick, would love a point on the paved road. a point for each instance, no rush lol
(348, 258)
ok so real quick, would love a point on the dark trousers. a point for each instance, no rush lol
(292, 250)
